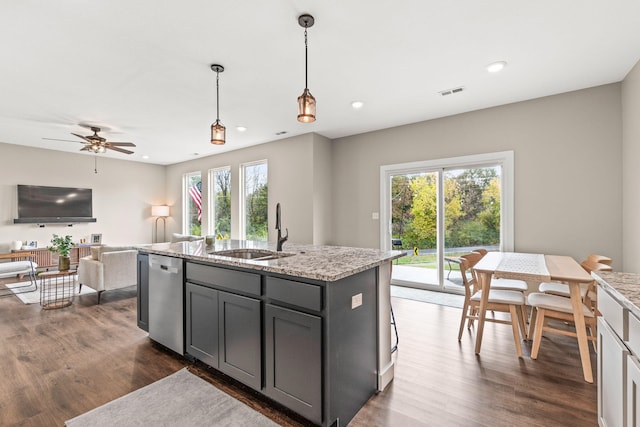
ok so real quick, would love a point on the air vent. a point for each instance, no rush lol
(451, 91)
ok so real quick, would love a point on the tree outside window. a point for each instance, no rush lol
(220, 185)
(255, 201)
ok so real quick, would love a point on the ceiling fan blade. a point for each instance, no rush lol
(66, 140)
(121, 150)
(82, 137)
(122, 144)
(86, 148)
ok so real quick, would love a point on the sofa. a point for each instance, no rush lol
(175, 237)
(108, 267)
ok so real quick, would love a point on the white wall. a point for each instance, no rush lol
(631, 171)
(567, 169)
(123, 192)
(291, 178)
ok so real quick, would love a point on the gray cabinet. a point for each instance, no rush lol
(143, 291)
(294, 360)
(223, 329)
(240, 341)
(202, 323)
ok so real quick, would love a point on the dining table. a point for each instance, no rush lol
(537, 268)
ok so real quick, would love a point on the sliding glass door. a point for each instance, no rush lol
(438, 210)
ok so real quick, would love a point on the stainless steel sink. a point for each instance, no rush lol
(252, 254)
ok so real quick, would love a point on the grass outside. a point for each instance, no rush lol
(427, 261)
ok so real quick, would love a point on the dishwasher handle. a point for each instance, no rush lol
(165, 265)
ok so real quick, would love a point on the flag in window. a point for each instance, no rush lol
(195, 191)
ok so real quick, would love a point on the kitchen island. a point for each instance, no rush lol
(308, 327)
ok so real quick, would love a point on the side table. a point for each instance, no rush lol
(57, 288)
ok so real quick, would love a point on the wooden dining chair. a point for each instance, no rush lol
(499, 300)
(601, 259)
(590, 264)
(556, 304)
(502, 283)
(547, 306)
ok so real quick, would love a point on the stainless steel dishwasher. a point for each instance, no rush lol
(166, 302)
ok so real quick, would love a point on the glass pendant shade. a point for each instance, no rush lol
(217, 133)
(306, 107)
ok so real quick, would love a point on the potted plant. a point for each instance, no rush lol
(62, 245)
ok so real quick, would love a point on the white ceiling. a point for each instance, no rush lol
(142, 68)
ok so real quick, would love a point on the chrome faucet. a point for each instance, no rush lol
(281, 239)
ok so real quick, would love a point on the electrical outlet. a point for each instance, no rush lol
(375, 215)
(356, 301)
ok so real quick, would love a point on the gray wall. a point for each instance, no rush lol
(631, 172)
(567, 169)
(292, 181)
(123, 192)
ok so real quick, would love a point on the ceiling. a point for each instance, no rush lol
(141, 69)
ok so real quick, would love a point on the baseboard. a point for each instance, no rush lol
(385, 376)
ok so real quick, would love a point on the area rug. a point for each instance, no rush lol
(33, 296)
(181, 399)
(440, 298)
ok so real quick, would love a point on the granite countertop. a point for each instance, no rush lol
(625, 287)
(326, 263)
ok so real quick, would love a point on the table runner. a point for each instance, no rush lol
(527, 267)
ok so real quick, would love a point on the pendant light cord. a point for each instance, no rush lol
(306, 67)
(217, 97)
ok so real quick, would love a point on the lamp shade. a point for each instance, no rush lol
(161, 210)
(306, 107)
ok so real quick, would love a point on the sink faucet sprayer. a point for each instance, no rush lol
(281, 239)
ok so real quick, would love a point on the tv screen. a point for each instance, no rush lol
(54, 203)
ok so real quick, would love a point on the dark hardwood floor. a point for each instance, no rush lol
(57, 364)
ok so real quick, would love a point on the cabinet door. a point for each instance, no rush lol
(143, 292)
(294, 360)
(202, 323)
(612, 357)
(240, 338)
(633, 391)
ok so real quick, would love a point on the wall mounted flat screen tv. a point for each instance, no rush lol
(40, 204)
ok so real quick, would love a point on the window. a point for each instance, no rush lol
(192, 204)
(220, 203)
(253, 224)
(437, 210)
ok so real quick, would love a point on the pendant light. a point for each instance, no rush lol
(217, 129)
(306, 101)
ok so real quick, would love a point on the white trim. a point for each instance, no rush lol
(185, 195)
(242, 229)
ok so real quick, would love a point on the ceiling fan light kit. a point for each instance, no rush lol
(306, 101)
(217, 129)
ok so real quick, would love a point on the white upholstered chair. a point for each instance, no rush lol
(553, 302)
(506, 301)
(108, 267)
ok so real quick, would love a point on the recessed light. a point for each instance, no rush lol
(357, 105)
(145, 157)
(241, 128)
(494, 67)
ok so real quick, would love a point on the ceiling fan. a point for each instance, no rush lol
(97, 144)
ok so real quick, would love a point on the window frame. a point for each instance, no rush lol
(186, 226)
(242, 229)
(211, 226)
